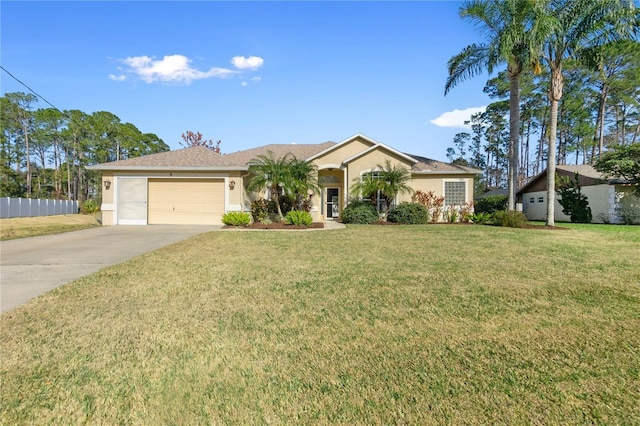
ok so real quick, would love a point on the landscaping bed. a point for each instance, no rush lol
(277, 225)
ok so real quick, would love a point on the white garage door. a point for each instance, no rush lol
(186, 201)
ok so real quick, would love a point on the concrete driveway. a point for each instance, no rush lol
(33, 266)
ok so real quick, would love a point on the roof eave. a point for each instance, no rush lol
(170, 169)
(446, 172)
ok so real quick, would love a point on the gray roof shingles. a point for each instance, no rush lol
(199, 157)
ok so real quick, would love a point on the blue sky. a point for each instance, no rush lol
(249, 73)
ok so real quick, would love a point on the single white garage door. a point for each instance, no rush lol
(186, 201)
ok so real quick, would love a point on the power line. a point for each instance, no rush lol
(30, 89)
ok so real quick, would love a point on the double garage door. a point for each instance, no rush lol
(170, 201)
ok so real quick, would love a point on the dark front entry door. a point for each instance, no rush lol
(333, 203)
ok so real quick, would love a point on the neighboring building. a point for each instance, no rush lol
(197, 185)
(602, 194)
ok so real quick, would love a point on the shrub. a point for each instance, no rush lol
(465, 212)
(298, 217)
(629, 209)
(574, 203)
(236, 219)
(286, 204)
(491, 204)
(480, 218)
(90, 207)
(260, 210)
(409, 214)
(361, 212)
(433, 203)
(511, 219)
(451, 214)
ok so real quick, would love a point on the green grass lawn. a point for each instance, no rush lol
(23, 227)
(430, 324)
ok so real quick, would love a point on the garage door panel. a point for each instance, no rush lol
(186, 201)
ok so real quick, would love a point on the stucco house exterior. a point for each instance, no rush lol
(197, 185)
(603, 194)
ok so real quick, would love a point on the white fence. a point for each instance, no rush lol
(29, 207)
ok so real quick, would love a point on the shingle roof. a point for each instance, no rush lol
(302, 151)
(196, 156)
(428, 165)
(199, 157)
(586, 170)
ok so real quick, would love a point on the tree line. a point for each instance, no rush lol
(600, 108)
(44, 151)
(570, 88)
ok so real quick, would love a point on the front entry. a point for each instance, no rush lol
(333, 203)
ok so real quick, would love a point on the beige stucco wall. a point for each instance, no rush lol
(435, 183)
(108, 204)
(337, 156)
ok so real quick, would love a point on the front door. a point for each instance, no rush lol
(333, 203)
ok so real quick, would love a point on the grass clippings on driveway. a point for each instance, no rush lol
(23, 227)
(368, 325)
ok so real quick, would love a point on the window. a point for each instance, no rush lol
(455, 193)
(532, 200)
(375, 175)
(541, 199)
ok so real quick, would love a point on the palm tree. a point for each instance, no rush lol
(303, 179)
(385, 184)
(271, 173)
(577, 28)
(511, 37)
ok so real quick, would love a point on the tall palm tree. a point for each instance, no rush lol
(303, 179)
(272, 173)
(576, 29)
(385, 184)
(512, 37)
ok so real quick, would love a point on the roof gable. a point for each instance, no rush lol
(357, 136)
(380, 147)
(587, 173)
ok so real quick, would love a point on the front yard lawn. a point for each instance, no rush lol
(23, 227)
(370, 325)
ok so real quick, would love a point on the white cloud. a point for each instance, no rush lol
(256, 79)
(171, 68)
(251, 63)
(244, 84)
(117, 77)
(457, 117)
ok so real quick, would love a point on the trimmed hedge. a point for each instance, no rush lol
(409, 214)
(359, 212)
(511, 219)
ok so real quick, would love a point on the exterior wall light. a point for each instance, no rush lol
(107, 184)
(232, 184)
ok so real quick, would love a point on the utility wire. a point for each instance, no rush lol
(31, 90)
